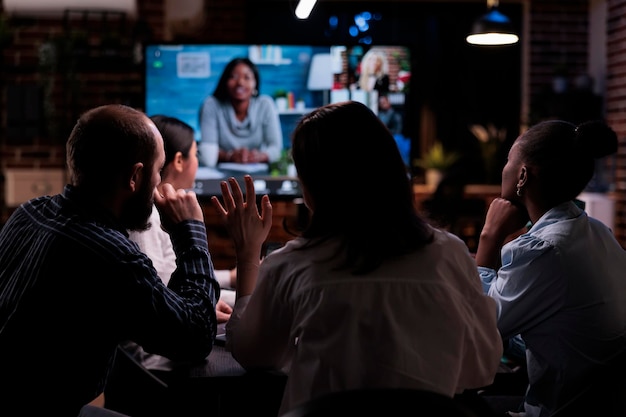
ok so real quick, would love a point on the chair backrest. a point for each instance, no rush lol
(395, 402)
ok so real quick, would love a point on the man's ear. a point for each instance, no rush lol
(137, 176)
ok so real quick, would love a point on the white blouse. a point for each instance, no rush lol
(420, 321)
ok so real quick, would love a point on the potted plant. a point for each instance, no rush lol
(435, 162)
(280, 96)
(491, 139)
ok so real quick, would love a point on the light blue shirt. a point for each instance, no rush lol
(562, 286)
(259, 130)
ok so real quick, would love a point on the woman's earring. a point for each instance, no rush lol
(519, 190)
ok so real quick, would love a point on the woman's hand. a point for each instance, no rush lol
(222, 311)
(241, 216)
(503, 219)
(247, 228)
(247, 156)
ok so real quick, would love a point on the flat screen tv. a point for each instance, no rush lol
(178, 77)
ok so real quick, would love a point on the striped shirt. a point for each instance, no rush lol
(73, 286)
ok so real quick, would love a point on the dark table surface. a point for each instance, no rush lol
(220, 386)
(220, 363)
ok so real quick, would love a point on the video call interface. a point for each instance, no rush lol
(299, 78)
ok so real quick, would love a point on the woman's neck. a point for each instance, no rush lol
(241, 108)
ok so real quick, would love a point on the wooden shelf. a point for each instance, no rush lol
(485, 191)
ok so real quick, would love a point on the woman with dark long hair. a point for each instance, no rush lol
(238, 124)
(370, 296)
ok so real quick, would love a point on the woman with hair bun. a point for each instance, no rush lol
(561, 284)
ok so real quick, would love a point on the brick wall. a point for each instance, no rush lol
(68, 63)
(559, 42)
(616, 104)
(58, 66)
(558, 45)
(72, 62)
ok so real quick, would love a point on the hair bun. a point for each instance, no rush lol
(597, 138)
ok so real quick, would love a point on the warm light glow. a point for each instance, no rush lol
(35, 7)
(304, 8)
(492, 39)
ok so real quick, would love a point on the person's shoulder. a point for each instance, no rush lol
(264, 105)
(300, 252)
(556, 226)
(101, 240)
(211, 101)
(286, 251)
(264, 100)
(447, 246)
(445, 238)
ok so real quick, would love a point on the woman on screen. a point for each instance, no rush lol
(374, 72)
(236, 123)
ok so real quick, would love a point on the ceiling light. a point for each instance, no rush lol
(304, 8)
(493, 28)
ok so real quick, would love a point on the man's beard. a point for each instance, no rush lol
(137, 210)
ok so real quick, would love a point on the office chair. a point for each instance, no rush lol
(397, 402)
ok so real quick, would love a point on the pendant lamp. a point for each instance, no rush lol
(493, 28)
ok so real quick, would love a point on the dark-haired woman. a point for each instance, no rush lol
(370, 296)
(179, 170)
(236, 123)
(562, 284)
